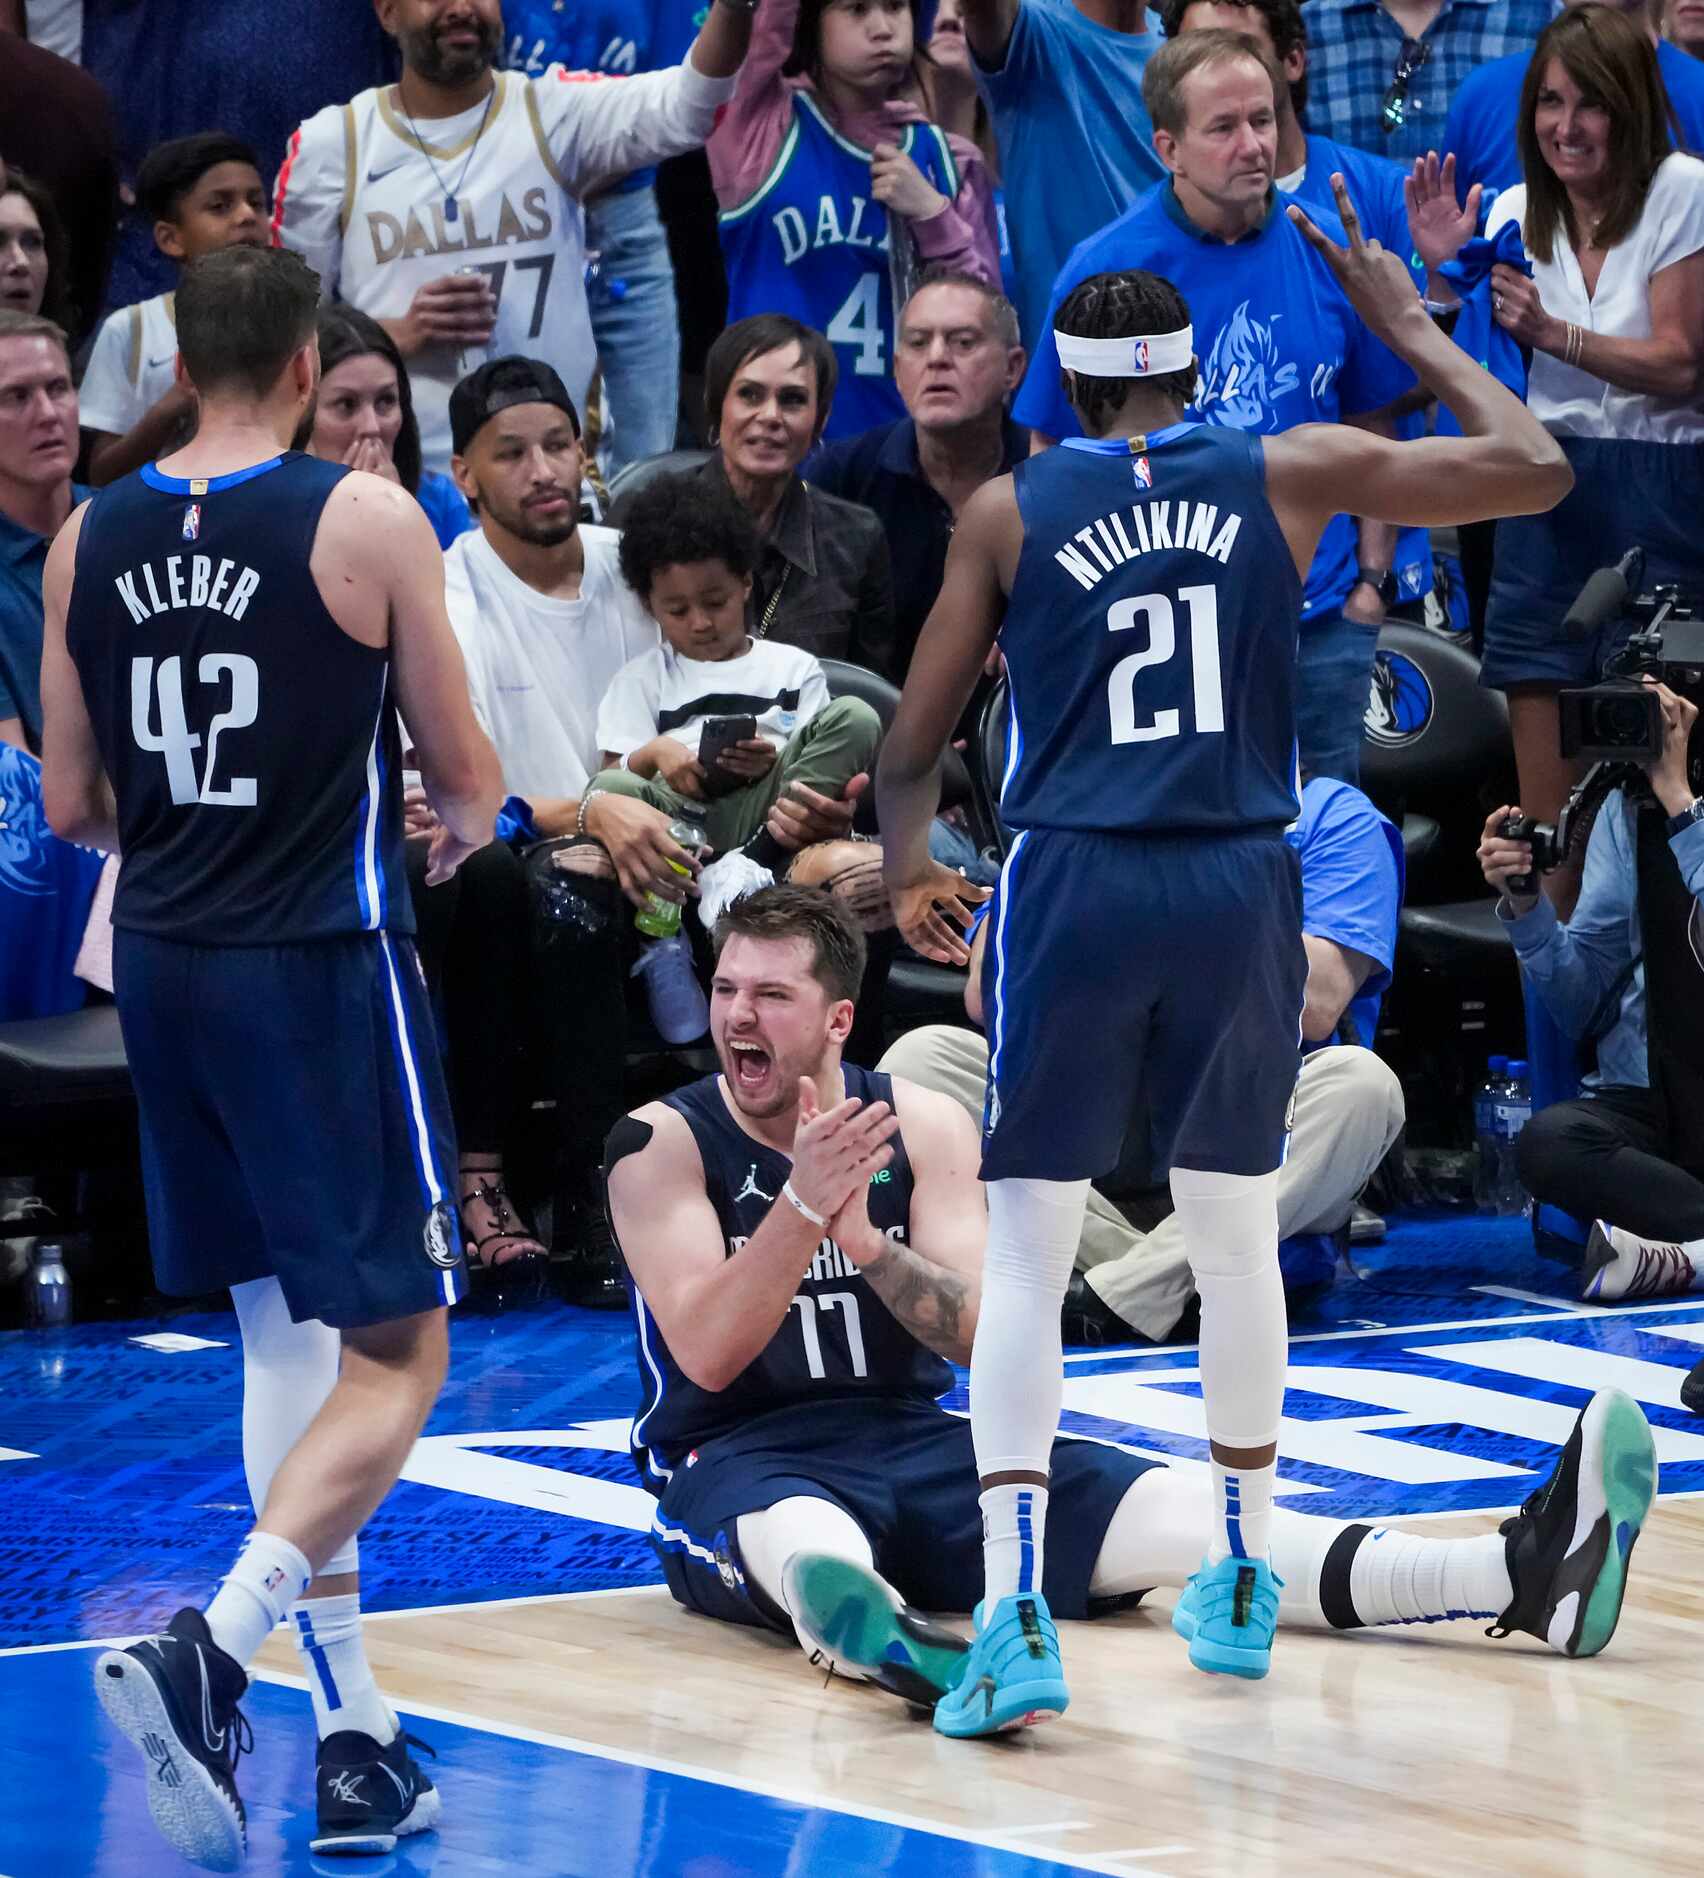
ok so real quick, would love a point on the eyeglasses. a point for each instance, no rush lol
(1394, 112)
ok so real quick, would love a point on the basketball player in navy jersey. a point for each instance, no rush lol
(1143, 583)
(230, 636)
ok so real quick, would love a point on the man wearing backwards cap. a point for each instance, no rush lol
(1144, 585)
(1277, 340)
(545, 622)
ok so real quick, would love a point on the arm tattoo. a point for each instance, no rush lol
(926, 1298)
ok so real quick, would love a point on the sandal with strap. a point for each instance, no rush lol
(514, 1244)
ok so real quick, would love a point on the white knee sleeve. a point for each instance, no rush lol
(288, 1371)
(1230, 1232)
(1016, 1374)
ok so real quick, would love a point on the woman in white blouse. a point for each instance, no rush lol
(1613, 221)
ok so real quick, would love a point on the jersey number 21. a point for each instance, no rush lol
(1155, 610)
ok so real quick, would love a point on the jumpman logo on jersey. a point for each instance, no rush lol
(751, 1190)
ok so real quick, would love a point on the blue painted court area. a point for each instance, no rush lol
(519, 1808)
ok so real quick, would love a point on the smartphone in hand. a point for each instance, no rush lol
(719, 734)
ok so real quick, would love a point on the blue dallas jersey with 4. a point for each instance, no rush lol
(252, 745)
(1277, 341)
(838, 1338)
(812, 241)
(1150, 639)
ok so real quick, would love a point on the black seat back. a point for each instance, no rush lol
(633, 477)
(846, 680)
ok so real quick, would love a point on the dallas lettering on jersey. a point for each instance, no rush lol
(396, 240)
(205, 588)
(828, 1261)
(797, 241)
(1195, 525)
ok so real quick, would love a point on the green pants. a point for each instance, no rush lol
(824, 754)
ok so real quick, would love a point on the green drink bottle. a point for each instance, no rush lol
(659, 918)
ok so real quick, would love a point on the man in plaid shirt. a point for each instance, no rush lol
(1381, 73)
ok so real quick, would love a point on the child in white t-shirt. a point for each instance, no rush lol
(669, 722)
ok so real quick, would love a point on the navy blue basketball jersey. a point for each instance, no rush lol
(813, 242)
(1150, 639)
(252, 745)
(838, 1338)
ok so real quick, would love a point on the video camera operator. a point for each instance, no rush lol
(1629, 1154)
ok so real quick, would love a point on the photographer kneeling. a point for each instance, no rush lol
(1629, 1154)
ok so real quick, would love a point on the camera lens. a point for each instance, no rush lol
(1619, 721)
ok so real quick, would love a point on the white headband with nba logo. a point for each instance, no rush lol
(1126, 358)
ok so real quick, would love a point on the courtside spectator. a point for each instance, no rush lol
(836, 193)
(1385, 72)
(1482, 130)
(56, 124)
(364, 416)
(631, 289)
(1613, 313)
(1063, 80)
(1277, 343)
(1395, 566)
(1683, 26)
(38, 447)
(688, 550)
(448, 205)
(823, 578)
(199, 194)
(956, 364)
(34, 271)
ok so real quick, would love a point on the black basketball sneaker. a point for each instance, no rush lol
(1568, 1546)
(175, 1695)
(371, 1796)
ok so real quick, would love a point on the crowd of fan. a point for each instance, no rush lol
(691, 369)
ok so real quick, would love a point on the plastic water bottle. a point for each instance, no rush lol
(659, 918)
(1514, 1111)
(1485, 1100)
(48, 1296)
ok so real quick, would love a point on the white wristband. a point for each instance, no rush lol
(793, 1200)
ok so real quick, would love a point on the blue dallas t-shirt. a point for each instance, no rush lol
(1075, 144)
(1352, 880)
(1278, 342)
(1486, 109)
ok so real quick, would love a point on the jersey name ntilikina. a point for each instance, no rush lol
(1150, 639)
(252, 745)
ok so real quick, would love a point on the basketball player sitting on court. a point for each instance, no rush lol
(673, 724)
(804, 1242)
(1144, 585)
(199, 194)
(230, 635)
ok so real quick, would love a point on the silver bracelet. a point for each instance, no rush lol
(586, 802)
(794, 1201)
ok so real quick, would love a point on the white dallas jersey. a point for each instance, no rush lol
(366, 199)
(131, 366)
(663, 693)
(538, 667)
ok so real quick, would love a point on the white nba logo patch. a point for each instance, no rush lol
(192, 522)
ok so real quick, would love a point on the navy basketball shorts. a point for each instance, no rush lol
(906, 1473)
(1142, 982)
(295, 1123)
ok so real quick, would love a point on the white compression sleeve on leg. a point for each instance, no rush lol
(801, 1524)
(288, 1371)
(1230, 1231)
(1017, 1367)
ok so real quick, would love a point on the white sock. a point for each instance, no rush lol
(328, 1637)
(1014, 1538)
(268, 1577)
(1016, 1365)
(1397, 1578)
(1230, 1231)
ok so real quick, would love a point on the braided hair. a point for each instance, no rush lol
(1132, 304)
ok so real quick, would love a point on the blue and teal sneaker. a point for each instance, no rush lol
(1227, 1614)
(1569, 1545)
(1012, 1676)
(858, 1621)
